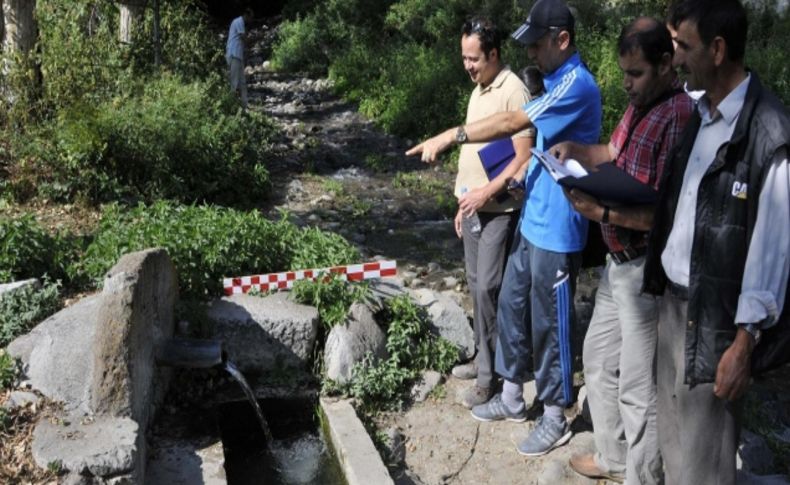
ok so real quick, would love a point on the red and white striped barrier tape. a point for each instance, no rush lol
(285, 280)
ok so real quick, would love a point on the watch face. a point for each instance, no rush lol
(460, 135)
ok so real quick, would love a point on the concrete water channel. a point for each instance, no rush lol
(294, 439)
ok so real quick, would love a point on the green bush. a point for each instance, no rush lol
(162, 139)
(28, 251)
(332, 297)
(9, 371)
(22, 309)
(208, 243)
(412, 348)
(82, 60)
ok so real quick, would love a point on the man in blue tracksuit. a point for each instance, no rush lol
(535, 316)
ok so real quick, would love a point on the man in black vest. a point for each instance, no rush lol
(718, 252)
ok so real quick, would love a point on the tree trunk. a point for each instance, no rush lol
(21, 30)
(131, 14)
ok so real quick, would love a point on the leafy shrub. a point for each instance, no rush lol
(207, 243)
(28, 251)
(25, 307)
(332, 297)
(412, 348)
(82, 60)
(9, 371)
(161, 139)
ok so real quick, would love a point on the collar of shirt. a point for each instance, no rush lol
(498, 80)
(729, 108)
(555, 77)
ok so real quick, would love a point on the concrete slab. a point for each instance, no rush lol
(181, 462)
(361, 462)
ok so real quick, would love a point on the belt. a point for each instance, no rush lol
(678, 291)
(627, 254)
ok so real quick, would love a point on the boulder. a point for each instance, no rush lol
(448, 320)
(265, 333)
(349, 343)
(57, 354)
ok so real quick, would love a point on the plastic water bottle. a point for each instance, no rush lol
(474, 220)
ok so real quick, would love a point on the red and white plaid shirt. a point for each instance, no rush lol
(652, 138)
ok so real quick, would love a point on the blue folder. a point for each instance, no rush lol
(496, 156)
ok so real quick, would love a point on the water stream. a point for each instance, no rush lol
(236, 374)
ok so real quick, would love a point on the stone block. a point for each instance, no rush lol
(265, 333)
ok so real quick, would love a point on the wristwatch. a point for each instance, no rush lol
(754, 331)
(460, 135)
(605, 217)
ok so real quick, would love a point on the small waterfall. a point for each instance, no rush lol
(236, 374)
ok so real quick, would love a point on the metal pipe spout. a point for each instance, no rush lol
(191, 353)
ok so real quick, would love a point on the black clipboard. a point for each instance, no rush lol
(609, 183)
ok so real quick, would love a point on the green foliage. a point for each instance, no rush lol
(28, 251)
(332, 296)
(398, 59)
(766, 51)
(160, 139)
(25, 307)
(207, 243)
(82, 60)
(599, 48)
(411, 347)
(9, 372)
(400, 62)
(757, 419)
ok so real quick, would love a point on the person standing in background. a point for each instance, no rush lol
(234, 55)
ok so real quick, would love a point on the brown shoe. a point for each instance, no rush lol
(585, 465)
(474, 395)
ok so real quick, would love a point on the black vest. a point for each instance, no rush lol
(725, 216)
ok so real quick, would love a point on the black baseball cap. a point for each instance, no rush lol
(545, 15)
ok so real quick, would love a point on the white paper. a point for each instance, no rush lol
(557, 169)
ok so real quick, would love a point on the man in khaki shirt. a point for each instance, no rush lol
(486, 216)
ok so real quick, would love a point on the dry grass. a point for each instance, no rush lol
(16, 439)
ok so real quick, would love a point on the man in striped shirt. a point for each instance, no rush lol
(535, 315)
(620, 387)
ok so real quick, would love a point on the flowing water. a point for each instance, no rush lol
(236, 374)
(299, 454)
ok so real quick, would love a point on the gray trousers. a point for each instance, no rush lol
(484, 257)
(697, 431)
(619, 371)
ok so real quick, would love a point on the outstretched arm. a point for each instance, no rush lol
(498, 125)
